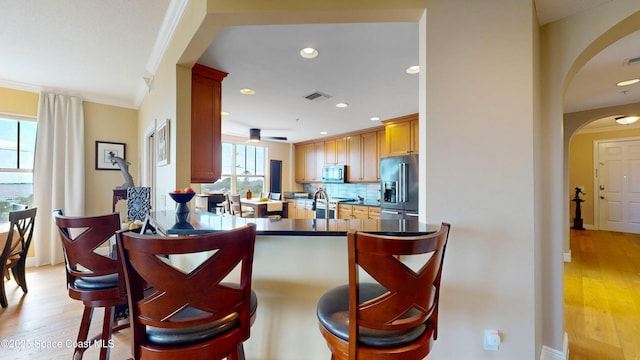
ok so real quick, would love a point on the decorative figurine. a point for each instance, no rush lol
(124, 167)
(577, 221)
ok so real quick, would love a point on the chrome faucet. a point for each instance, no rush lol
(321, 194)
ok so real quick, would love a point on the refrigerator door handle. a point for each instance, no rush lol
(403, 182)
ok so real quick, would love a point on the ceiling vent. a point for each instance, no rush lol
(633, 61)
(317, 96)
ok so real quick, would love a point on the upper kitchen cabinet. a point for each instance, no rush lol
(206, 139)
(335, 151)
(401, 135)
(309, 162)
(363, 157)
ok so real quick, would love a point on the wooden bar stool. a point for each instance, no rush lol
(189, 313)
(395, 317)
(92, 278)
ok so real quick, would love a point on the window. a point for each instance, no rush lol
(17, 153)
(243, 168)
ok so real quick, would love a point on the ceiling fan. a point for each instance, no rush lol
(254, 136)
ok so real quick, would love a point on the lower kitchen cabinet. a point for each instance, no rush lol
(351, 212)
(374, 213)
(360, 212)
(345, 211)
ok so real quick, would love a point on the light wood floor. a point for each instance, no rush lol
(602, 296)
(602, 306)
(45, 320)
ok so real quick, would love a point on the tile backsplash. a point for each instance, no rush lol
(370, 192)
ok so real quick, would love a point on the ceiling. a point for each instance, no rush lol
(104, 50)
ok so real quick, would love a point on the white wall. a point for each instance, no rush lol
(479, 161)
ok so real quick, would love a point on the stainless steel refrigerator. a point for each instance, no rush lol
(399, 187)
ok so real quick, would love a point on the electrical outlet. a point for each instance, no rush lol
(492, 340)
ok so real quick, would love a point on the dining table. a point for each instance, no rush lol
(261, 208)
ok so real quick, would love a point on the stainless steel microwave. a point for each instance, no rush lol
(334, 173)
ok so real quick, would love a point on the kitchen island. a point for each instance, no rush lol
(198, 222)
(295, 262)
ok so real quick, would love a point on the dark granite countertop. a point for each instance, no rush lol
(203, 222)
(355, 202)
(365, 203)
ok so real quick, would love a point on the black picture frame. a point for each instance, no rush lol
(102, 154)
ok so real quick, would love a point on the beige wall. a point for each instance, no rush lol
(18, 102)
(102, 122)
(111, 124)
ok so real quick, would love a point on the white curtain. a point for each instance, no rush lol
(58, 174)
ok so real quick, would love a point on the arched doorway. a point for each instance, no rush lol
(579, 169)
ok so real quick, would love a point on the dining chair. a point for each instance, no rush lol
(237, 209)
(189, 314)
(15, 248)
(93, 278)
(275, 210)
(394, 314)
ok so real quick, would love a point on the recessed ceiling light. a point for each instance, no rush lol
(323, 133)
(375, 118)
(342, 105)
(413, 69)
(626, 120)
(224, 113)
(628, 82)
(309, 53)
(247, 91)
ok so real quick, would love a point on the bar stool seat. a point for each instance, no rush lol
(333, 314)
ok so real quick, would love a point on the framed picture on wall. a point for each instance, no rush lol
(163, 142)
(104, 151)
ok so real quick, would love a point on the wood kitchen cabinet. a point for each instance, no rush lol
(315, 161)
(354, 173)
(335, 151)
(370, 158)
(309, 162)
(301, 157)
(402, 135)
(363, 160)
(360, 212)
(382, 145)
(345, 211)
(206, 140)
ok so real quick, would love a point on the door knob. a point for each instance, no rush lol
(601, 197)
(601, 187)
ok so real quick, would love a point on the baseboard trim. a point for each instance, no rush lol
(585, 226)
(548, 353)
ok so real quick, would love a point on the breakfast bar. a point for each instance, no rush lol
(295, 262)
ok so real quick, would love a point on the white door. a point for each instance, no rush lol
(618, 181)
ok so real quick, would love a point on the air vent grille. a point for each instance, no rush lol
(317, 96)
(633, 61)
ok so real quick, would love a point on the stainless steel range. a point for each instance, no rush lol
(321, 205)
